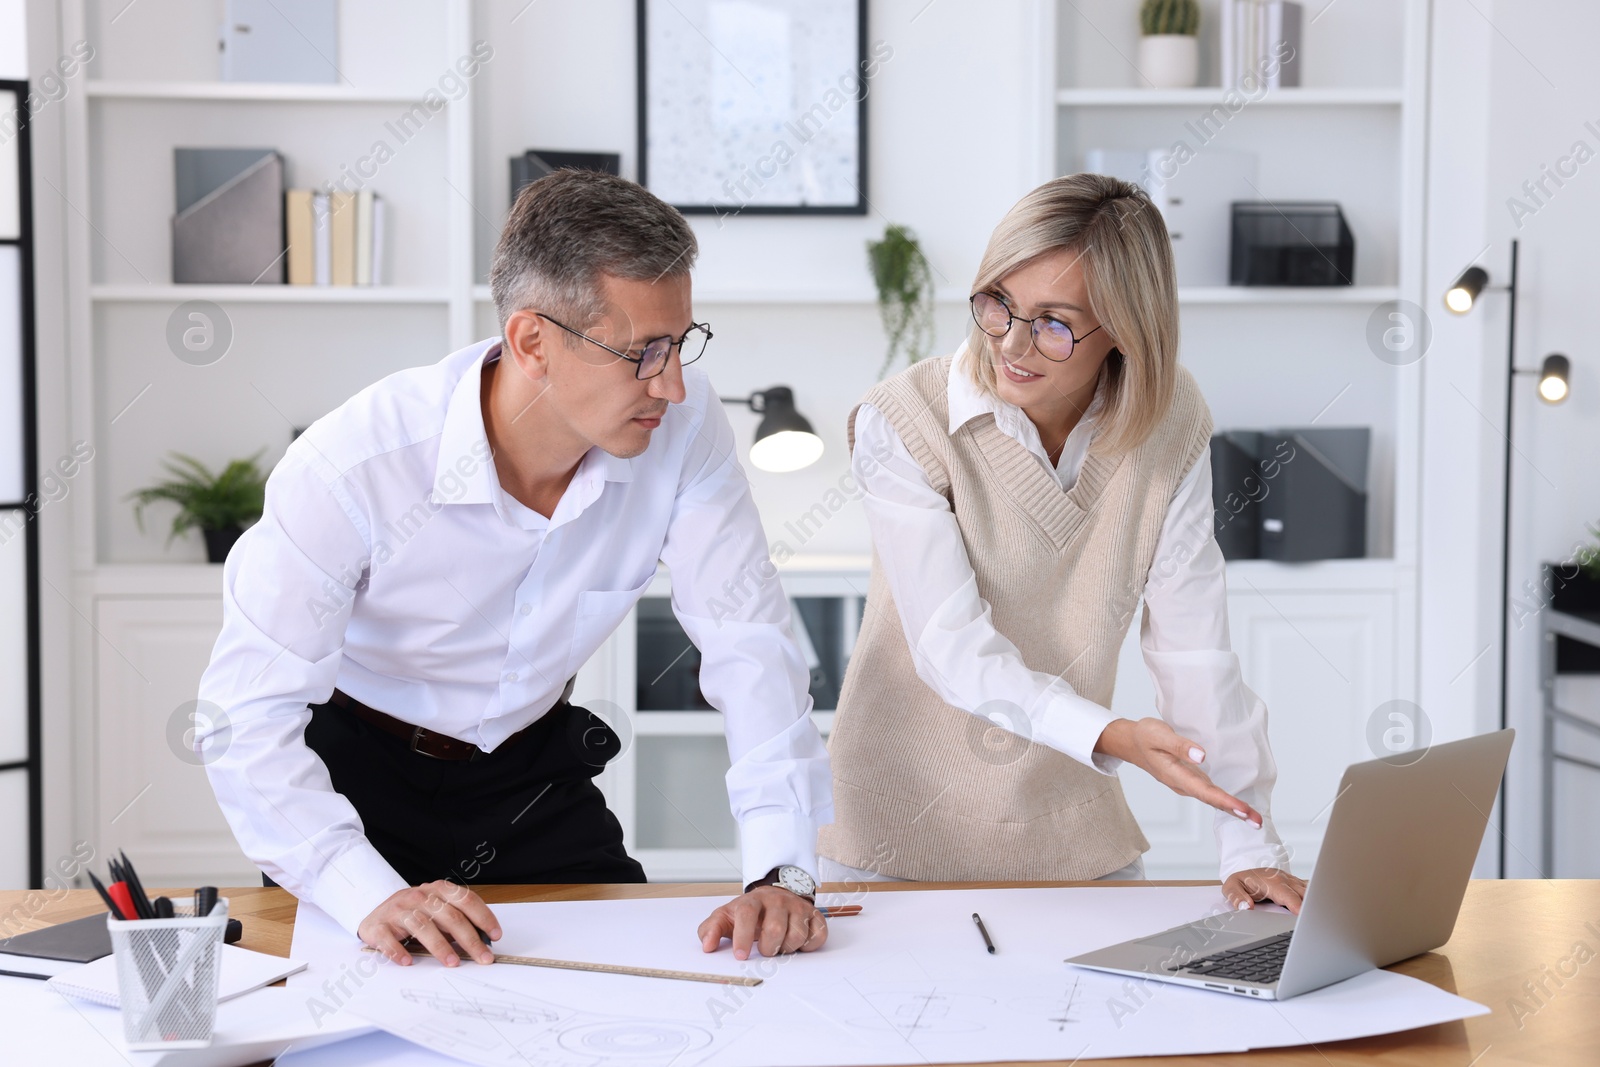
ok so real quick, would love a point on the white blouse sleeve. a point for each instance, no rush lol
(954, 645)
(1199, 688)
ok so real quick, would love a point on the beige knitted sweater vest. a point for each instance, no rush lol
(927, 791)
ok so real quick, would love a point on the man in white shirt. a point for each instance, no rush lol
(439, 556)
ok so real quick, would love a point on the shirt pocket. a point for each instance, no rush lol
(600, 611)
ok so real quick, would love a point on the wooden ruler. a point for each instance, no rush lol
(617, 968)
(602, 968)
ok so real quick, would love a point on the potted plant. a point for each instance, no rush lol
(905, 294)
(1169, 50)
(219, 504)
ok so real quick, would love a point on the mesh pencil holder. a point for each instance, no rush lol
(167, 972)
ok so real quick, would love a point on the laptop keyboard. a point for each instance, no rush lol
(1261, 962)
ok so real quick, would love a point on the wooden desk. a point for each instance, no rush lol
(1509, 933)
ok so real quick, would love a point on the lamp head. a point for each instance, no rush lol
(1460, 297)
(784, 440)
(1553, 378)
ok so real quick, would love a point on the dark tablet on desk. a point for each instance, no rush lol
(78, 941)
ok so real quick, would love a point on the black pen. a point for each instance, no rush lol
(111, 905)
(25, 974)
(984, 932)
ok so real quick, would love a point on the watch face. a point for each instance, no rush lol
(796, 880)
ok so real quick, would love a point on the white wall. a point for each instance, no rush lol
(13, 39)
(1513, 85)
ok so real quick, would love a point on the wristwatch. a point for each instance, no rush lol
(794, 879)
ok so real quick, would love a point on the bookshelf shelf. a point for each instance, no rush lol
(241, 92)
(1213, 95)
(268, 294)
(1344, 294)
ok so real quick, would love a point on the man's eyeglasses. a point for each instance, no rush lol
(1051, 337)
(653, 355)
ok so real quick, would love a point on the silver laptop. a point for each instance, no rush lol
(1388, 884)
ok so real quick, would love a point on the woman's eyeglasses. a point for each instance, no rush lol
(1051, 337)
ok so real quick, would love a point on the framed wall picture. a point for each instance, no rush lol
(755, 106)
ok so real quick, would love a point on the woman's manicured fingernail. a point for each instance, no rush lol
(1241, 814)
(1196, 755)
(1244, 905)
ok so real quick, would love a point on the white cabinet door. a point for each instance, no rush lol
(1324, 664)
(152, 801)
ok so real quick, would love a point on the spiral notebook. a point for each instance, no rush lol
(243, 971)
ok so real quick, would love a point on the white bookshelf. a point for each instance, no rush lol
(1326, 643)
(300, 351)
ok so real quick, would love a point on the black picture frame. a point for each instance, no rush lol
(733, 205)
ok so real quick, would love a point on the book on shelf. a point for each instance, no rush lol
(335, 238)
(1260, 44)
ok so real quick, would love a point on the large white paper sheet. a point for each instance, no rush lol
(43, 1027)
(906, 981)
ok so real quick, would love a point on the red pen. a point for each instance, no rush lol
(123, 899)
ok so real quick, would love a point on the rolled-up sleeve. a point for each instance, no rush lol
(288, 588)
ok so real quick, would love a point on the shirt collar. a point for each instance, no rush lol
(464, 472)
(967, 401)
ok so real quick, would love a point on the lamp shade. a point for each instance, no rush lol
(785, 440)
(1460, 297)
(1554, 376)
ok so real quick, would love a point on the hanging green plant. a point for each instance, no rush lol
(905, 295)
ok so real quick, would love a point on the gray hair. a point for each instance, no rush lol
(568, 228)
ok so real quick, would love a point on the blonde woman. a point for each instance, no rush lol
(1037, 485)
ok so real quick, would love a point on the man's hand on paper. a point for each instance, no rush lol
(1172, 760)
(774, 919)
(435, 914)
(1244, 888)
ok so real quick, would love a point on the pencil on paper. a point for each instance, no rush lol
(985, 932)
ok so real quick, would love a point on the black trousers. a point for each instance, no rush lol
(529, 812)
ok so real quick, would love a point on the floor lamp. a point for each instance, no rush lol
(1553, 374)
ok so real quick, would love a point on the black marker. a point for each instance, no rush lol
(984, 932)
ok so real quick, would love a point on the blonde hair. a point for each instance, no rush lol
(1122, 242)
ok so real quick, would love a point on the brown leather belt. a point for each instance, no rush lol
(423, 741)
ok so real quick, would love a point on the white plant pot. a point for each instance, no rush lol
(1169, 61)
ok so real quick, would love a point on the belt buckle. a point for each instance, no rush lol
(416, 739)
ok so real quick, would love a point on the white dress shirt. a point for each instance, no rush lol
(390, 563)
(1183, 635)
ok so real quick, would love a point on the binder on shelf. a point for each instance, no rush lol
(535, 163)
(1236, 491)
(1318, 505)
(300, 226)
(1260, 44)
(228, 228)
(280, 41)
(322, 256)
(342, 231)
(1292, 495)
(364, 237)
(380, 216)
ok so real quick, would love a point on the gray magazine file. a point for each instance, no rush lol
(229, 225)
